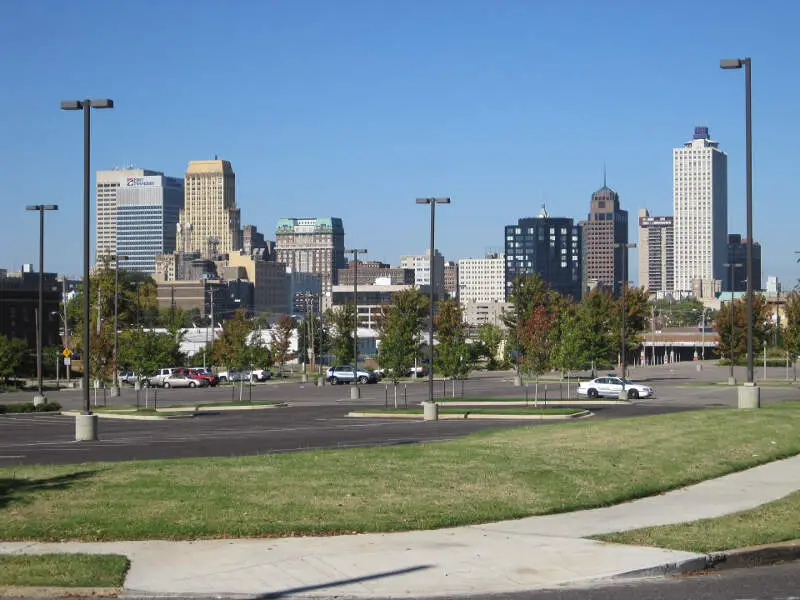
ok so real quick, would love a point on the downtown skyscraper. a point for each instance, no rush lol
(700, 209)
(605, 233)
(209, 222)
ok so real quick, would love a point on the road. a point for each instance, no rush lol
(778, 582)
(314, 418)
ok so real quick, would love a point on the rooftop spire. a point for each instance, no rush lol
(604, 174)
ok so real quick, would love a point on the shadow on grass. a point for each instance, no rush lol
(338, 582)
(17, 490)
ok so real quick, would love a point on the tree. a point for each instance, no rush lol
(490, 337)
(230, 349)
(681, 313)
(341, 321)
(537, 335)
(738, 338)
(569, 351)
(282, 340)
(636, 310)
(791, 333)
(257, 352)
(596, 313)
(527, 292)
(452, 357)
(145, 351)
(12, 352)
(400, 325)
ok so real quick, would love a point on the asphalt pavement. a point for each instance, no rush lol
(315, 417)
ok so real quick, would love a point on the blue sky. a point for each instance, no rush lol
(355, 108)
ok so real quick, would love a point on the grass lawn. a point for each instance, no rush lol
(502, 400)
(775, 522)
(479, 410)
(485, 477)
(63, 570)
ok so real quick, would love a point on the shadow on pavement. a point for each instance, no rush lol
(308, 588)
(15, 490)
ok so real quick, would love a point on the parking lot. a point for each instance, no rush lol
(315, 417)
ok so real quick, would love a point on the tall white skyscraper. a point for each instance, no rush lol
(700, 205)
(108, 184)
(482, 279)
(421, 264)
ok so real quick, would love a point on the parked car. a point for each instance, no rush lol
(410, 372)
(347, 374)
(198, 374)
(157, 380)
(183, 380)
(128, 377)
(260, 375)
(233, 375)
(611, 386)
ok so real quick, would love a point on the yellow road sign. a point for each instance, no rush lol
(66, 353)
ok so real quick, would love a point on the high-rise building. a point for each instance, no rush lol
(370, 270)
(108, 184)
(313, 245)
(604, 234)
(548, 246)
(482, 279)
(252, 240)
(737, 254)
(700, 207)
(421, 263)
(147, 217)
(451, 279)
(209, 222)
(656, 246)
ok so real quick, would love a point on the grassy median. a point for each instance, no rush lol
(478, 410)
(484, 477)
(774, 522)
(63, 570)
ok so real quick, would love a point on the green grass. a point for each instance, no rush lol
(774, 522)
(499, 410)
(63, 570)
(28, 407)
(489, 476)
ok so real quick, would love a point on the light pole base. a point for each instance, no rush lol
(39, 399)
(115, 391)
(430, 411)
(623, 394)
(699, 366)
(731, 380)
(303, 378)
(86, 428)
(320, 382)
(517, 381)
(749, 396)
(355, 392)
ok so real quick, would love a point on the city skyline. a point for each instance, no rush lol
(374, 140)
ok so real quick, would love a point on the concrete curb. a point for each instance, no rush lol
(468, 415)
(130, 417)
(539, 404)
(739, 558)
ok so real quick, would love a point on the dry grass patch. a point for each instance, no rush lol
(484, 477)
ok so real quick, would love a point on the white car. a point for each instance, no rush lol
(611, 386)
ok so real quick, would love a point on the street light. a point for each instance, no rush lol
(738, 63)
(731, 378)
(431, 411)
(354, 391)
(115, 384)
(624, 282)
(86, 423)
(40, 398)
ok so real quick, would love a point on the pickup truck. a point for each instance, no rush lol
(233, 375)
(260, 375)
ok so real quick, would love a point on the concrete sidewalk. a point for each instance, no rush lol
(512, 556)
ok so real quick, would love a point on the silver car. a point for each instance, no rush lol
(180, 380)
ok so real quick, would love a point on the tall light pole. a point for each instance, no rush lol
(354, 391)
(115, 385)
(40, 398)
(732, 266)
(751, 398)
(624, 287)
(86, 423)
(432, 413)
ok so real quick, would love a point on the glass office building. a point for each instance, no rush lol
(147, 219)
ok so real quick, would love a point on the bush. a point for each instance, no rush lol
(28, 407)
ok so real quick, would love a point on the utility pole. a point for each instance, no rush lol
(66, 327)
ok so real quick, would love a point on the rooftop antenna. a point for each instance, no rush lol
(604, 173)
